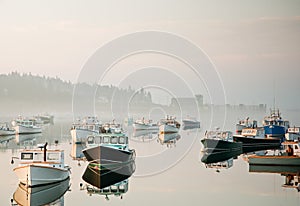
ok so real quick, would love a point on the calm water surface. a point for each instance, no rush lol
(165, 173)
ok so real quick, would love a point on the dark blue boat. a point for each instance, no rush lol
(275, 126)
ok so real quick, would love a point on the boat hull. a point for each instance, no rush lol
(40, 195)
(167, 129)
(20, 129)
(275, 160)
(80, 135)
(37, 175)
(275, 130)
(108, 155)
(214, 145)
(251, 144)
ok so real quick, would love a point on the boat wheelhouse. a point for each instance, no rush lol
(41, 166)
(108, 148)
(274, 125)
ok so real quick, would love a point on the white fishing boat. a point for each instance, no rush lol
(6, 130)
(142, 124)
(293, 134)
(45, 118)
(26, 126)
(41, 166)
(88, 126)
(246, 123)
(169, 125)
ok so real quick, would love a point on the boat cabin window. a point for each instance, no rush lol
(296, 146)
(122, 188)
(114, 188)
(114, 140)
(90, 140)
(26, 156)
(98, 140)
(122, 140)
(106, 139)
(53, 156)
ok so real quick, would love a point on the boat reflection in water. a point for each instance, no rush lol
(51, 194)
(168, 139)
(27, 139)
(143, 135)
(108, 180)
(76, 152)
(219, 160)
(291, 173)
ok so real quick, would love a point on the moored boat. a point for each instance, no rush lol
(143, 124)
(293, 134)
(88, 126)
(275, 126)
(220, 141)
(289, 157)
(41, 166)
(169, 125)
(246, 123)
(108, 148)
(26, 126)
(45, 118)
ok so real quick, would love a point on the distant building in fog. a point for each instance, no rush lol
(187, 102)
(197, 101)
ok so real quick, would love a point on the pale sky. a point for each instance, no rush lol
(252, 43)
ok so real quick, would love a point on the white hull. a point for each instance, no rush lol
(6, 132)
(167, 129)
(20, 129)
(48, 194)
(80, 135)
(33, 175)
(144, 127)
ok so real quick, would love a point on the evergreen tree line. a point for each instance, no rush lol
(27, 89)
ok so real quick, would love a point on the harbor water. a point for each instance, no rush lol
(166, 171)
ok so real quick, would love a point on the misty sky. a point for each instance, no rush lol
(255, 45)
